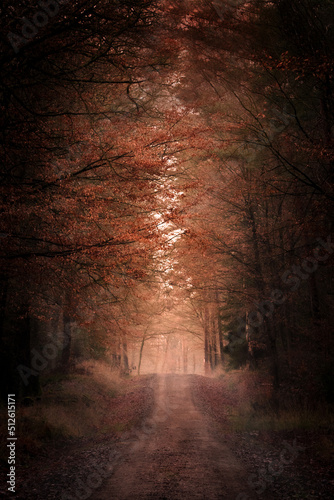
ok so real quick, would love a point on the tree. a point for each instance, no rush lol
(250, 75)
(81, 170)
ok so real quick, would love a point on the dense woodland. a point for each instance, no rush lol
(176, 158)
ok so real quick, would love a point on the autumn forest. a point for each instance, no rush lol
(167, 203)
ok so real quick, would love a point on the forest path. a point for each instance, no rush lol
(176, 454)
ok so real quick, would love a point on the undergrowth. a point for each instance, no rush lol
(252, 409)
(92, 401)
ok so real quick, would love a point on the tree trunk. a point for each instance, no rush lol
(124, 356)
(32, 387)
(66, 351)
(275, 369)
(165, 355)
(220, 331)
(314, 295)
(214, 334)
(141, 353)
(185, 355)
(207, 346)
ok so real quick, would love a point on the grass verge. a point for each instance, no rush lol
(90, 402)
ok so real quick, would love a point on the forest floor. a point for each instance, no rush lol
(182, 445)
(72, 434)
(294, 462)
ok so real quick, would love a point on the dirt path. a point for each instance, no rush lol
(176, 454)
